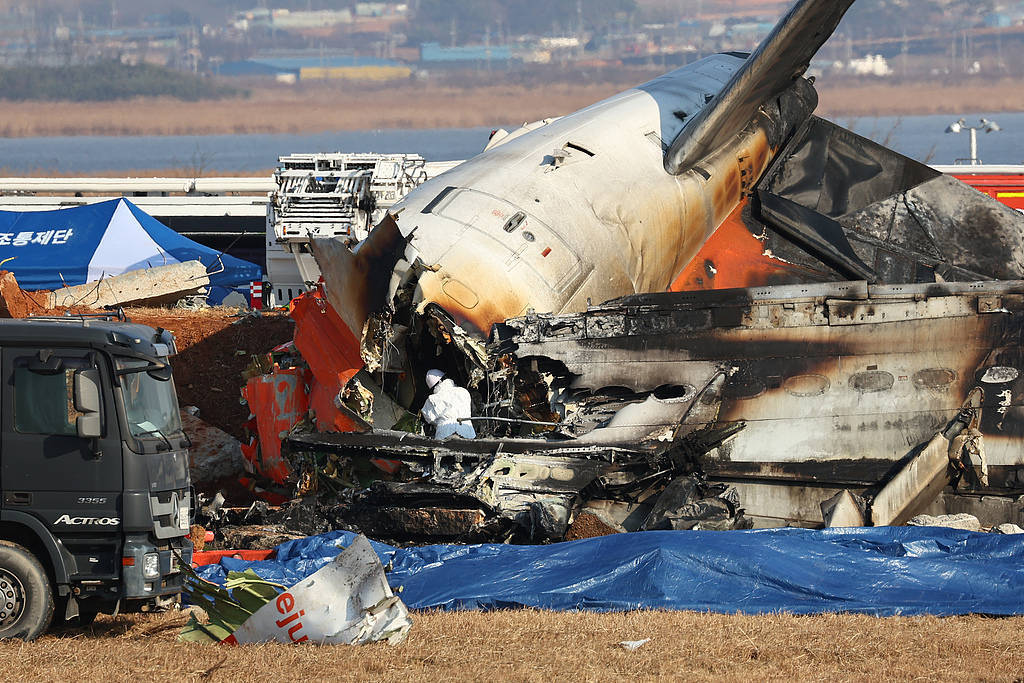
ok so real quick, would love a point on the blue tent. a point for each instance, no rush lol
(54, 249)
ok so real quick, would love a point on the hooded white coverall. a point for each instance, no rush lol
(445, 406)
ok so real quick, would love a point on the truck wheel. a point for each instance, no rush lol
(26, 596)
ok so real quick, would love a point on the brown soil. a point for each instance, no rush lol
(424, 106)
(16, 302)
(197, 534)
(214, 347)
(530, 645)
(587, 526)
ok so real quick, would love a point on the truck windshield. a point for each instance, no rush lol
(150, 404)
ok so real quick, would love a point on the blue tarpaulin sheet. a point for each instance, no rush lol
(54, 249)
(881, 571)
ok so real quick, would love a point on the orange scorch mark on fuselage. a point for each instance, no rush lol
(734, 257)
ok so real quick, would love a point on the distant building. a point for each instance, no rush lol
(284, 19)
(869, 65)
(434, 53)
(371, 9)
(291, 67)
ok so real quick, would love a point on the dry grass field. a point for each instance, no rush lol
(308, 109)
(545, 646)
(420, 106)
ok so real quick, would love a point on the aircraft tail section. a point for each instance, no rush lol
(777, 63)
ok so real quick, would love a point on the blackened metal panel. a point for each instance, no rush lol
(357, 281)
(817, 233)
(835, 171)
(908, 222)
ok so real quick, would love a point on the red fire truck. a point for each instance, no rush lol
(1005, 183)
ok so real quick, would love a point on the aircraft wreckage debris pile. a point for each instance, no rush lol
(315, 448)
(736, 314)
(560, 455)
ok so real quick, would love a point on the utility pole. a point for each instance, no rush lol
(487, 47)
(579, 28)
(999, 50)
(963, 50)
(904, 48)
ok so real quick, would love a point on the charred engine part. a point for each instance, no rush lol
(687, 504)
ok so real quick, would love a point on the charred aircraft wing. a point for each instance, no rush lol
(775, 66)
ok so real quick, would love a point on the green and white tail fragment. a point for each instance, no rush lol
(347, 601)
(227, 608)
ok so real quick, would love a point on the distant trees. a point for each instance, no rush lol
(105, 81)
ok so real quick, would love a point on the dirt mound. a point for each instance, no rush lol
(587, 525)
(17, 303)
(214, 346)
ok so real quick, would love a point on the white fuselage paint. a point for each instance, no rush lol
(601, 217)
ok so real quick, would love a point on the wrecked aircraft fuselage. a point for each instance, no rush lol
(531, 223)
(825, 387)
(782, 396)
(669, 410)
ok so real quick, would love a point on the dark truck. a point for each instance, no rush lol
(93, 472)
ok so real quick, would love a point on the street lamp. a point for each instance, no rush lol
(961, 125)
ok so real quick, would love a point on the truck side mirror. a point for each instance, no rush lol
(87, 401)
(161, 374)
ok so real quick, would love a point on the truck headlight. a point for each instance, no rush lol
(150, 565)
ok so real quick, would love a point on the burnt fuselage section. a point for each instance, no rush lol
(826, 387)
(720, 409)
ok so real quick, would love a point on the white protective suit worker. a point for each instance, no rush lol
(446, 406)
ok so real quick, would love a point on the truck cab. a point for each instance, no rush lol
(95, 506)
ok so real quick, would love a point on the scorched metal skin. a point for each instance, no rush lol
(831, 386)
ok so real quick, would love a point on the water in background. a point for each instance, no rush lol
(919, 137)
(924, 137)
(225, 153)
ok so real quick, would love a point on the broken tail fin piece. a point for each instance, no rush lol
(358, 281)
(778, 62)
(818, 234)
(348, 601)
